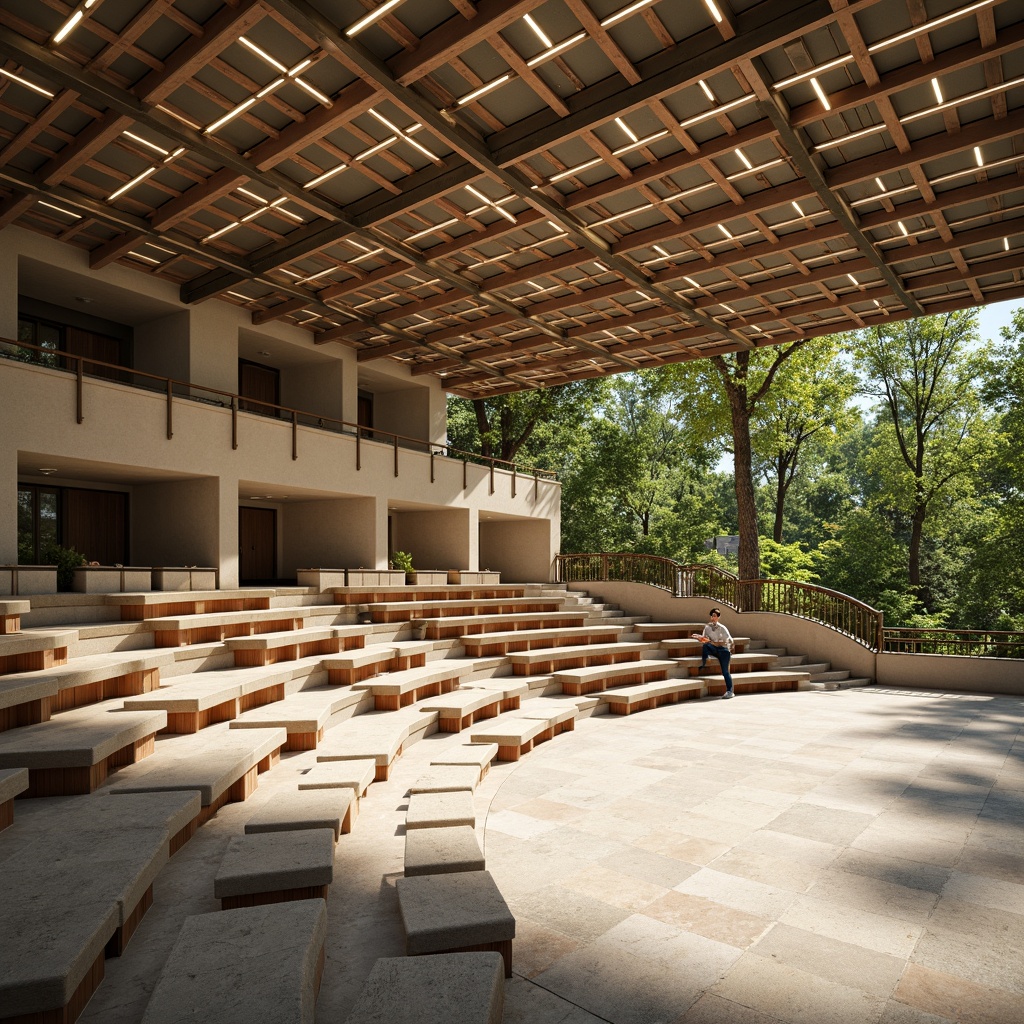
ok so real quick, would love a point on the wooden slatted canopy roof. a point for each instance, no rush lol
(513, 194)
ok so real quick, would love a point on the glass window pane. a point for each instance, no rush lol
(26, 526)
(48, 532)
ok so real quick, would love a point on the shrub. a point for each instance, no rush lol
(66, 560)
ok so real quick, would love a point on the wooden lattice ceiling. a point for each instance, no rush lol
(512, 194)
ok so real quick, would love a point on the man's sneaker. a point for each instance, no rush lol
(727, 695)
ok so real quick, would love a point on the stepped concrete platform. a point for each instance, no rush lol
(849, 856)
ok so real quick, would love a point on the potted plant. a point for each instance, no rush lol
(402, 562)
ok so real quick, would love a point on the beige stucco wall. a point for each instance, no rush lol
(437, 539)
(123, 433)
(941, 672)
(516, 548)
(176, 523)
(328, 534)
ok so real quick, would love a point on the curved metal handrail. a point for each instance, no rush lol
(830, 608)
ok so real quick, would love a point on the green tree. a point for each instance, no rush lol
(800, 418)
(932, 434)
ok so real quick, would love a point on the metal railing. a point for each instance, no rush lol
(970, 643)
(837, 611)
(178, 391)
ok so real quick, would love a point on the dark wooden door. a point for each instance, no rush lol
(96, 525)
(97, 346)
(260, 382)
(257, 544)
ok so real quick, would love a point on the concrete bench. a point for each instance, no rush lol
(449, 778)
(578, 682)
(72, 899)
(775, 681)
(223, 770)
(755, 661)
(161, 604)
(454, 988)
(178, 813)
(462, 708)
(10, 615)
(275, 867)
(13, 782)
(402, 611)
(458, 625)
(365, 740)
(401, 689)
(27, 698)
(185, 630)
(371, 594)
(478, 646)
(355, 775)
(346, 669)
(305, 714)
(557, 659)
(655, 632)
(440, 810)
(292, 644)
(514, 737)
(560, 718)
(478, 755)
(261, 965)
(686, 647)
(31, 651)
(626, 700)
(77, 751)
(455, 913)
(335, 809)
(205, 698)
(441, 851)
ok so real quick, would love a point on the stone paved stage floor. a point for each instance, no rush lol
(852, 857)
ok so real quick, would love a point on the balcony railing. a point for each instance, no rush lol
(971, 643)
(177, 391)
(837, 611)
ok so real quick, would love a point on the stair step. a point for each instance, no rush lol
(788, 660)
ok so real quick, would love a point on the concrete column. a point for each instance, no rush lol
(8, 292)
(380, 560)
(227, 515)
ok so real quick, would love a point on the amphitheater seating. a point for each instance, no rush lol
(755, 661)
(64, 728)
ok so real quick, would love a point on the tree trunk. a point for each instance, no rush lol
(780, 501)
(746, 506)
(914, 561)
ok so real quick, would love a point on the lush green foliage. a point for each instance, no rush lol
(886, 465)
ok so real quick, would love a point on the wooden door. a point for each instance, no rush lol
(96, 524)
(257, 544)
(97, 346)
(260, 382)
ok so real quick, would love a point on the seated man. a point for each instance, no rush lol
(718, 642)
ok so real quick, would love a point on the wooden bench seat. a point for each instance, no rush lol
(71, 900)
(335, 808)
(685, 647)
(185, 630)
(77, 751)
(481, 645)
(478, 755)
(156, 604)
(515, 736)
(458, 625)
(557, 659)
(755, 661)
(260, 868)
(30, 697)
(13, 782)
(10, 615)
(559, 716)
(403, 611)
(32, 650)
(202, 699)
(773, 681)
(436, 592)
(658, 631)
(222, 768)
(627, 699)
(455, 912)
(355, 775)
(354, 667)
(379, 736)
(305, 714)
(580, 681)
(292, 644)
(261, 965)
(400, 689)
(462, 708)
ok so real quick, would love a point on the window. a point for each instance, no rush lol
(38, 522)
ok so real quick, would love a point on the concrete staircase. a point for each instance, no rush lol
(823, 675)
